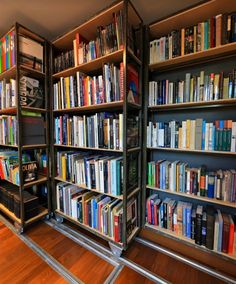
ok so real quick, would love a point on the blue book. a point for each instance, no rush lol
(220, 230)
(188, 217)
(213, 137)
(184, 216)
(161, 215)
(206, 28)
(203, 134)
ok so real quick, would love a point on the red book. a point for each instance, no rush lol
(61, 130)
(212, 32)
(3, 54)
(225, 233)
(133, 84)
(149, 211)
(121, 81)
(116, 228)
(157, 174)
(231, 235)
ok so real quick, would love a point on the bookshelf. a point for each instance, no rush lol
(211, 60)
(19, 190)
(117, 18)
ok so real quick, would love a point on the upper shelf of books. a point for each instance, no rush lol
(88, 29)
(200, 34)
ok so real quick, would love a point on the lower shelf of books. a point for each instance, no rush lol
(196, 197)
(92, 230)
(42, 212)
(185, 240)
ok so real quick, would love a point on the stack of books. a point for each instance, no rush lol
(211, 33)
(98, 211)
(178, 176)
(207, 227)
(7, 51)
(193, 134)
(194, 88)
(82, 90)
(7, 93)
(103, 174)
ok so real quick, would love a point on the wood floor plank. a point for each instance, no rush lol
(166, 267)
(84, 264)
(19, 264)
(129, 276)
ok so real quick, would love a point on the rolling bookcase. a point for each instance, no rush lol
(123, 106)
(16, 70)
(212, 60)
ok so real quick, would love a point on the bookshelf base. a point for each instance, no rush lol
(187, 241)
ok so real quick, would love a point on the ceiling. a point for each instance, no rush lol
(51, 18)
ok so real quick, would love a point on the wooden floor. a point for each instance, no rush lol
(19, 264)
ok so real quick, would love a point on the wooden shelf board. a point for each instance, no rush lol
(193, 151)
(88, 148)
(135, 58)
(8, 146)
(192, 196)
(135, 149)
(135, 232)
(94, 190)
(39, 180)
(94, 231)
(10, 111)
(92, 65)
(38, 146)
(32, 72)
(33, 109)
(117, 104)
(186, 240)
(197, 57)
(223, 102)
(133, 192)
(191, 16)
(10, 73)
(87, 29)
(42, 213)
(10, 214)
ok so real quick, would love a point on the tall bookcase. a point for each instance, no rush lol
(214, 60)
(123, 106)
(15, 71)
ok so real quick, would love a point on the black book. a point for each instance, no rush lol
(165, 215)
(210, 227)
(193, 224)
(198, 236)
(204, 228)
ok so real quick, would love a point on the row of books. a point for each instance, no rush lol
(207, 227)
(7, 51)
(101, 130)
(64, 60)
(9, 167)
(193, 89)
(193, 134)
(8, 130)
(83, 90)
(178, 176)
(98, 211)
(108, 39)
(7, 93)
(211, 33)
(101, 173)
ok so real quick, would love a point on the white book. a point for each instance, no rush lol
(151, 52)
(192, 134)
(161, 137)
(121, 130)
(13, 92)
(158, 57)
(233, 139)
(62, 93)
(74, 211)
(207, 135)
(210, 144)
(184, 134)
(97, 175)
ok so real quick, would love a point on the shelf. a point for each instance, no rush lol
(33, 72)
(34, 146)
(42, 213)
(34, 109)
(84, 187)
(191, 105)
(88, 148)
(10, 214)
(8, 74)
(93, 65)
(193, 151)
(104, 106)
(94, 231)
(8, 146)
(192, 196)
(39, 180)
(197, 57)
(134, 57)
(8, 111)
(170, 234)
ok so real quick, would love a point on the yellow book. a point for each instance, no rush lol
(180, 138)
(188, 127)
(202, 36)
(63, 167)
(182, 41)
(191, 90)
(67, 91)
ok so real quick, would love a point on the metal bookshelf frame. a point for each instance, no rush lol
(124, 107)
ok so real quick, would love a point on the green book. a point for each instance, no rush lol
(206, 35)
(150, 174)
(9, 51)
(224, 139)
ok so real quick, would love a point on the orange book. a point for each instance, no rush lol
(218, 34)
(182, 41)
(231, 235)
